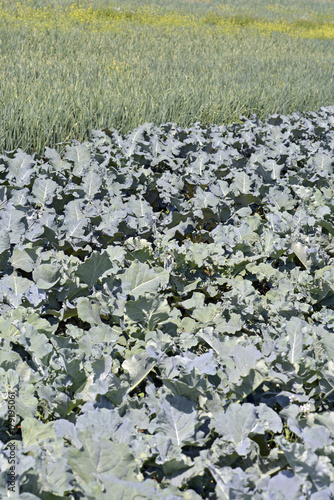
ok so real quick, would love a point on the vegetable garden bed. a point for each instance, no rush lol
(167, 313)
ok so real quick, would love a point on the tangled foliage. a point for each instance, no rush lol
(167, 313)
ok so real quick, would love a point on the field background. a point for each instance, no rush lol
(68, 67)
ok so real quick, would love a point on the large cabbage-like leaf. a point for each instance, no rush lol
(80, 156)
(295, 333)
(46, 276)
(98, 457)
(144, 280)
(22, 260)
(21, 167)
(176, 419)
(44, 191)
(91, 184)
(148, 311)
(88, 312)
(35, 432)
(96, 266)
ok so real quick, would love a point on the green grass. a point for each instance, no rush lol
(65, 71)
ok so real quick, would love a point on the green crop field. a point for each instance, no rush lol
(68, 67)
(166, 250)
